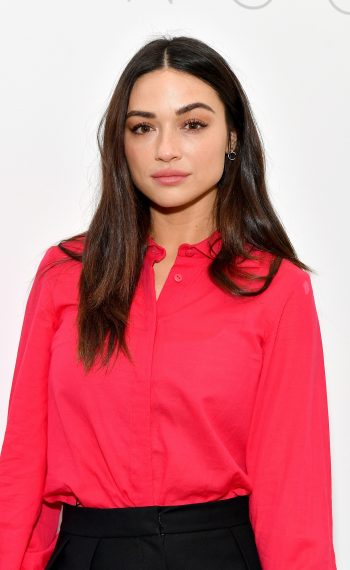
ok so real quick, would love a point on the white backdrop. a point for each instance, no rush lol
(59, 65)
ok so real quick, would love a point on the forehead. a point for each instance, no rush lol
(170, 89)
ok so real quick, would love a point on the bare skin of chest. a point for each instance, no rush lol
(161, 272)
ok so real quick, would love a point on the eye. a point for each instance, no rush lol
(194, 124)
(139, 126)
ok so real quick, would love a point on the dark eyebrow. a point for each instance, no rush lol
(181, 111)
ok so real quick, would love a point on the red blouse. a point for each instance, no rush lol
(226, 396)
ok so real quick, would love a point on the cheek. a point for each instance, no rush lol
(210, 149)
(136, 160)
(129, 149)
(209, 164)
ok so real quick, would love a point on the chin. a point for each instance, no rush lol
(175, 201)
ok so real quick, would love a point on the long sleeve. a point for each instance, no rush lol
(288, 449)
(25, 522)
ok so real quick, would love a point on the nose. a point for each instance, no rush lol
(167, 146)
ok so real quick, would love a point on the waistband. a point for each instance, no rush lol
(131, 521)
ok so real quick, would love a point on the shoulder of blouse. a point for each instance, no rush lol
(288, 275)
(289, 281)
(57, 274)
(54, 260)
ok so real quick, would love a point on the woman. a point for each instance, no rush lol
(169, 390)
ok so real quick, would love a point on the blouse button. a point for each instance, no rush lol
(189, 251)
(178, 277)
(154, 249)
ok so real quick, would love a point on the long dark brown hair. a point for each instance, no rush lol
(115, 243)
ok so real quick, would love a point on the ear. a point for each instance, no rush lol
(233, 141)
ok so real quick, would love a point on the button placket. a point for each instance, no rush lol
(177, 276)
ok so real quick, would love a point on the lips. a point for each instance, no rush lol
(170, 180)
(170, 176)
(169, 172)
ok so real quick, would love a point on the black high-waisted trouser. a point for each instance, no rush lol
(214, 535)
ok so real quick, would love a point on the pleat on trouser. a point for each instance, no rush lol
(73, 552)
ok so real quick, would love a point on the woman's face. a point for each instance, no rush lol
(194, 141)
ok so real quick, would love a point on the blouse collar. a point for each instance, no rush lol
(209, 247)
